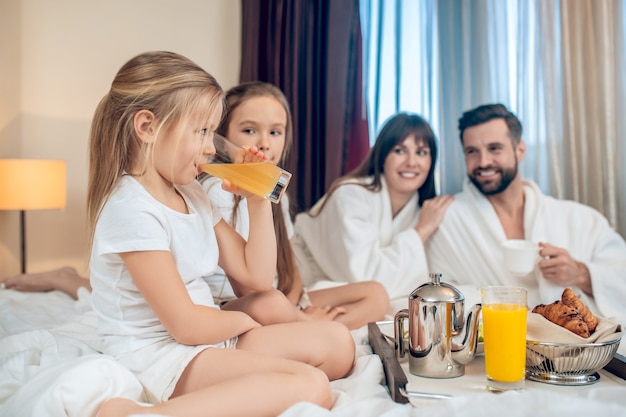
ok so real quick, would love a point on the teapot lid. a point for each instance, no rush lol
(437, 291)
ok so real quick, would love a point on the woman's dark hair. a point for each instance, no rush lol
(395, 130)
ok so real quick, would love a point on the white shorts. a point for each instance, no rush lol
(160, 365)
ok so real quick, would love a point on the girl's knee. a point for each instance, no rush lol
(272, 307)
(378, 289)
(276, 297)
(342, 347)
(314, 382)
(379, 298)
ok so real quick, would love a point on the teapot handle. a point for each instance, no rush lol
(401, 342)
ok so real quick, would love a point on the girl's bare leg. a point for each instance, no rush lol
(363, 302)
(266, 307)
(227, 382)
(64, 279)
(326, 345)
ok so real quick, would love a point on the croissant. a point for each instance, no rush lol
(565, 316)
(570, 299)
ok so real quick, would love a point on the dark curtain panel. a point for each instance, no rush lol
(311, 49)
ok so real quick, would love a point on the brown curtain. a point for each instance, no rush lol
(311, 49)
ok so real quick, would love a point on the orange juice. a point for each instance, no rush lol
(504, 327)
(261, 178)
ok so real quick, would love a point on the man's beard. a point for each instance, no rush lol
(496, 187)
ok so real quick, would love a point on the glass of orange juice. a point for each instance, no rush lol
(261, 178)
(504, 312)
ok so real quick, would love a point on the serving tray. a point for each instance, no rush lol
(401, 382)
(395, 377)
(617, 366)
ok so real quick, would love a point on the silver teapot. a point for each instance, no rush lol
(440, 340)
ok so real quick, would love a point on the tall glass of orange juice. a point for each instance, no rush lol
(504, 312)
(261, 178)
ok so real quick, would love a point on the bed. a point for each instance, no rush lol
(50, 367)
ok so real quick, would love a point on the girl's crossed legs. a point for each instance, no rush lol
(359, 302)
(363, 302)
(272, 368)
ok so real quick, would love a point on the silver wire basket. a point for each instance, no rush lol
(568, 364)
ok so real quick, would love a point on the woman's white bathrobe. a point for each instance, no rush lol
(466, 248)
(356, 239)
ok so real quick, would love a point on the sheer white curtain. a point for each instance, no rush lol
(559, 65)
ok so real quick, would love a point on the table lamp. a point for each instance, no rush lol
(31, 184)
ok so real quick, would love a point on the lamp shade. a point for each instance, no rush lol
(32, 184)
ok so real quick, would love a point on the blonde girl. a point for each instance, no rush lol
(258, 115)
(155, 234)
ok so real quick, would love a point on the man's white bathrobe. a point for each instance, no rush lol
(355, 238)
(466, 248)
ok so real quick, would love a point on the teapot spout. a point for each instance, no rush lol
(464, 350)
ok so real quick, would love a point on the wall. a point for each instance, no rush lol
(9, 123)
(61, 60)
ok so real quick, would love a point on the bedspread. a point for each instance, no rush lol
(50, 367)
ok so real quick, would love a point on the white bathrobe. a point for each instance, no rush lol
(356, 239)
(466, 248)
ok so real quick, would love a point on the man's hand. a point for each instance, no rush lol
(558, 266)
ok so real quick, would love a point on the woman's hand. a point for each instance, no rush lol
(431, 215)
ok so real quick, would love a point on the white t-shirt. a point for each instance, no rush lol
(132, 220)
(223, 200)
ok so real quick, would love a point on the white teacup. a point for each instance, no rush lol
(520, 256)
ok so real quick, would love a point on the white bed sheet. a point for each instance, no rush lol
(49, 367)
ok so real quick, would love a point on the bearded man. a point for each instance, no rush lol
(578, 247)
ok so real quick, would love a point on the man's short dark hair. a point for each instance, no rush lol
(487, 112)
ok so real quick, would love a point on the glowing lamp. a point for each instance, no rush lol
(31, 184)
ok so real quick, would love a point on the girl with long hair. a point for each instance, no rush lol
(258, 115)
(155, 234)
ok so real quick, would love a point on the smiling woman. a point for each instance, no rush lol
(405, 168)
(373, 222)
